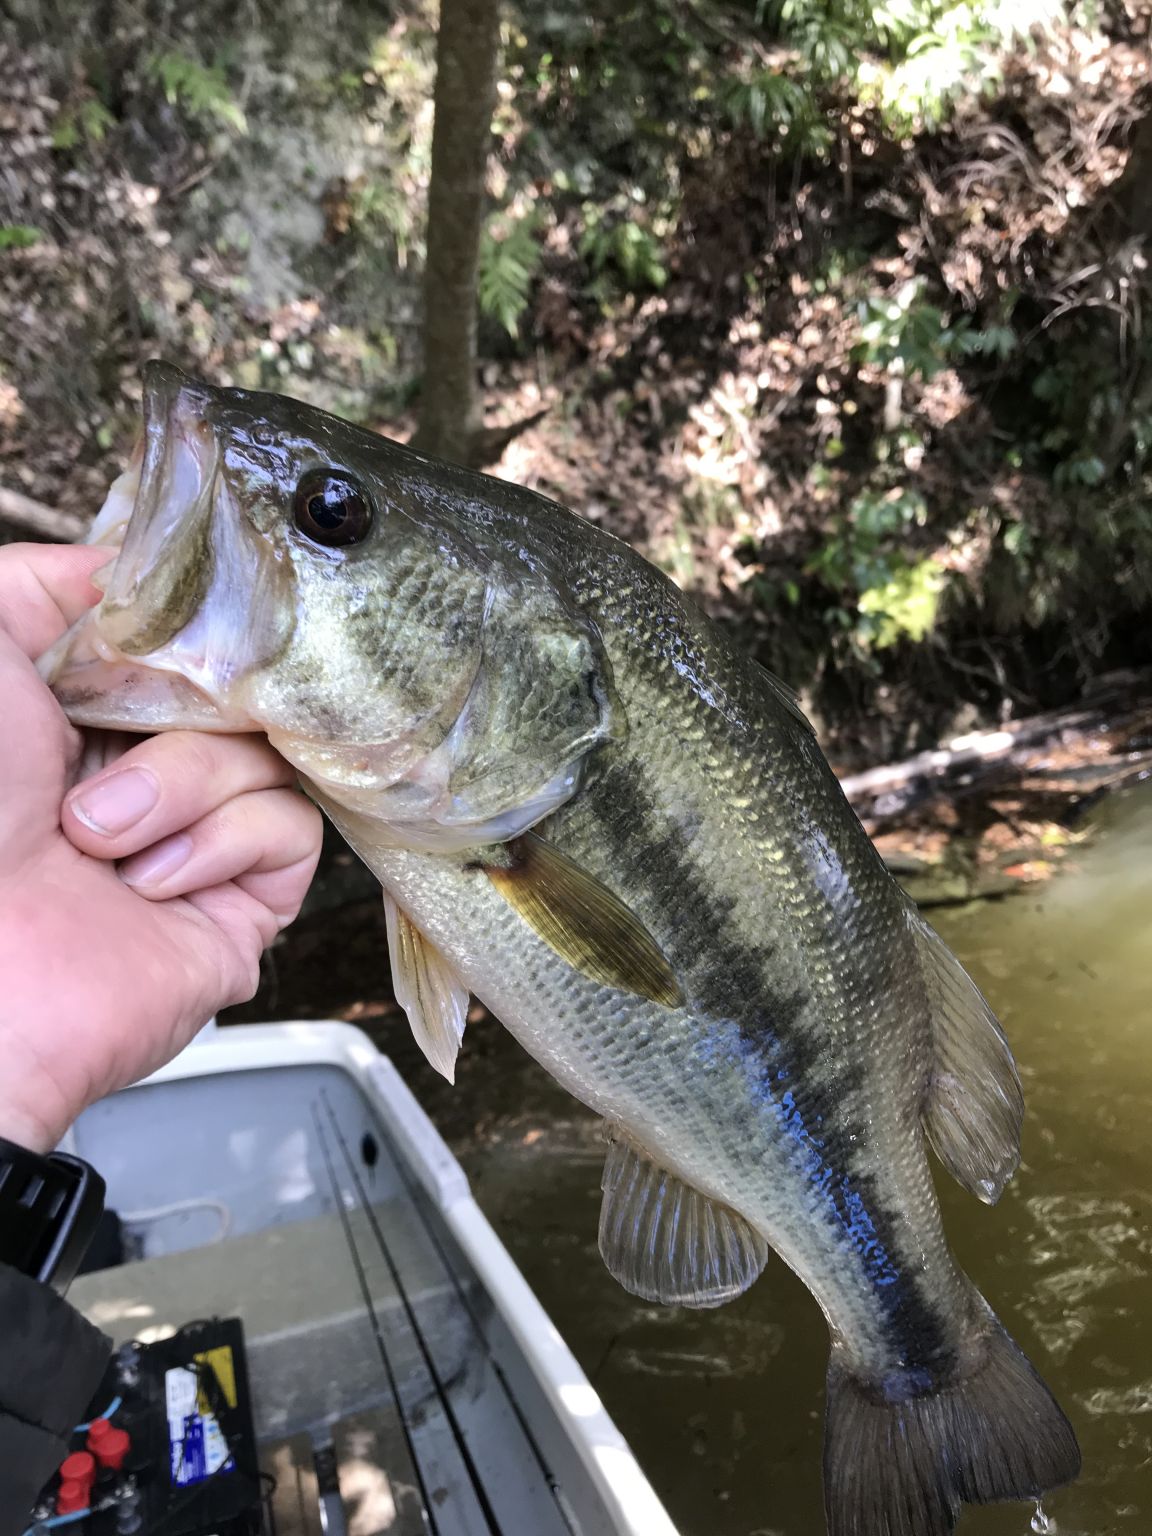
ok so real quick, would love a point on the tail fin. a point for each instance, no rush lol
(903, 1468)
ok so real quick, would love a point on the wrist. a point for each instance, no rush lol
(34, 1110)
(42, 1088)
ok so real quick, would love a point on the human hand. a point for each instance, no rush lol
(135, 904)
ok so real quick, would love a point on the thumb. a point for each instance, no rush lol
(45, 588)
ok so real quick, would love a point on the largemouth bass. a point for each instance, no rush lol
(589, 810)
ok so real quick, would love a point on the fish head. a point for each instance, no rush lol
(279, 570)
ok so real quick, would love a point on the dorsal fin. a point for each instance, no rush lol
(580, 918)
(665, 1241)
(786, 696)
(975, 1106)
(428, 990)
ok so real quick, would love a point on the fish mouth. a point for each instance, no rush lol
(164, 565)
(123, 665)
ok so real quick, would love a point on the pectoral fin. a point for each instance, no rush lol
(581, 919)
(975, 1105)
(665, 1241)
(428, 989)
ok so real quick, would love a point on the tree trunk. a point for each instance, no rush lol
(467, 51)
(1131, 193)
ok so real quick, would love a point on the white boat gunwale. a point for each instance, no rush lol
(629, 1501)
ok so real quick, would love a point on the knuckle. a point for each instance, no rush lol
(186, 756)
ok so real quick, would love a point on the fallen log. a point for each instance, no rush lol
(1118, 701)
(29, 516)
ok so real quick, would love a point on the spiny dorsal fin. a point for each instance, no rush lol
(786, 696)
(975, 1106)
(581, 919)
(428, 990)
(665, 1241)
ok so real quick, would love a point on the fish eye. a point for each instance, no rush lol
(331, 509)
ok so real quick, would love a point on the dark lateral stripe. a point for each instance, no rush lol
(727, 979)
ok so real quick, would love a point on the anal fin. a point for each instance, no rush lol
(975, 1106)
(428, 990)
(580, 918)
(665, 1241)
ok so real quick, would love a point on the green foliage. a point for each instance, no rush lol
(956, 58)
(625, 247)
(508, 263)
(766, 100)
(87, 122)
(995, 341)
(773, 105)
(380, 214)
(902, 327)
(1080, 469)
(199, 89)
(903, 607)
(1092, 420)
(675, 144)
(859, 554)
(18, 237)
(1019, 541)
(911, 59)
(882, 594)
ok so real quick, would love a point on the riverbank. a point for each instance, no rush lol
(992, 812)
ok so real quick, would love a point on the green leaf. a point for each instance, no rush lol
(18, 237)
(1018, 540)
(199, 89)
(88, 120)
(628, 247)
(508, 264)
(904, 606)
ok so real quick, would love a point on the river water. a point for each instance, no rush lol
(723, 1408)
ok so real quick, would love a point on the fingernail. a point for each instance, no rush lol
(156, 864)
(113, 804)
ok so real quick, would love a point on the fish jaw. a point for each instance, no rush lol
(164, 563)
(98, 688)
(110, 523)
(194, 599)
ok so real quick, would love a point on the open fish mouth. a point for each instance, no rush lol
(164, 566)
(143, 659)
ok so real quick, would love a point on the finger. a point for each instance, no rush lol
(164, 785)
(45, 588)
(267, 841)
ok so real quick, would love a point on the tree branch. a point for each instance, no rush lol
(34, 517)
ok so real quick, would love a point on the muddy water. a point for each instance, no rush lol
(723, 1408)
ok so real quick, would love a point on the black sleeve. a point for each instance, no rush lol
(51, 1361)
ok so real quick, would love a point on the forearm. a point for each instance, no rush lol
(51, 1362)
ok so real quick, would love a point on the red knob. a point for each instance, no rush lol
(78, 1468)
(72, 1498)
(111, 1449)
(97, 1430)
